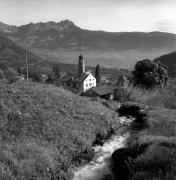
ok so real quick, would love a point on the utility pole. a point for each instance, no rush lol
(27, 68)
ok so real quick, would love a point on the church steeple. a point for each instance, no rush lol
(81, 65)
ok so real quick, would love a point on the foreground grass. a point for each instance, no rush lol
(44, 129)
(158, 160)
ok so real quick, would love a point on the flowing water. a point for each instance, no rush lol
(98, 168)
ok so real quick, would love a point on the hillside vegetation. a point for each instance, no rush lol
(11, 53)
(152, 150)
(45, 131)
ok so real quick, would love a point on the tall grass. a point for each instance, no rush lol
(157, 97)
(158, 161)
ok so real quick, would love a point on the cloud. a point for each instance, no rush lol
(166, 25)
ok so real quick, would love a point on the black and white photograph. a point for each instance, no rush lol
(87, 89)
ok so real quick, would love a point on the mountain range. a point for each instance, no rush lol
(63, 41)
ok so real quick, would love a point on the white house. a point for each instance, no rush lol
(88, 82)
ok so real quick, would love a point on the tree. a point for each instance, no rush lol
(98, 73)
(50, 79)
(36, 76)
(148, 74)
(3, 66)
(56, 71)
(1, 74)
(10, 75)
(19, 71)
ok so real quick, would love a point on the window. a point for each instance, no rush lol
(87, 85)
(90, 84)
(89, 79)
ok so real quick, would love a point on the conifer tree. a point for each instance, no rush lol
(98, 73)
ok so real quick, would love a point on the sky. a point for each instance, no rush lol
(107, 15)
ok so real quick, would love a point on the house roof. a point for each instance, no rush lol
(80, 78)
(103, 90)
(75, 79)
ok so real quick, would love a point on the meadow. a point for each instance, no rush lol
(158, 160)
(45, 131)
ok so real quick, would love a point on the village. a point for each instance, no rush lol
(86, 83)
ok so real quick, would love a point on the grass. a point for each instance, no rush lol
(158, 161)
(157, 97)
(45, 131)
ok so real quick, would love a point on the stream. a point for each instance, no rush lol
(98, 168)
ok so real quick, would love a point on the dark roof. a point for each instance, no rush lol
(75, 79)
(103, 90)
(80, 78)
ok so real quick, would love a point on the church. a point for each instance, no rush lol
(82, 81)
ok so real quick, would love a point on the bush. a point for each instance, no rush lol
(56, 71)
(10, 75)
(134, 110)
(148, 74)
(1, 74)
(3, 66)
(50, 79)
(36, 76)
(129, 109)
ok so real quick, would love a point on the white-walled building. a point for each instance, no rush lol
(88, 82)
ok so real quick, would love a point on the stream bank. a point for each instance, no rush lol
(99, 168)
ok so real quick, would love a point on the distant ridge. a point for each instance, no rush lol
(62, 41)
(14, 54)
(170, 61)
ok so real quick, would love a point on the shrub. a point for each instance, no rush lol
(10, 75)
(129, 109)
(3, 66)
(36, 76)
(1, 74)
(56, 70)
(148, 74)
(134, 110)
(50, 79)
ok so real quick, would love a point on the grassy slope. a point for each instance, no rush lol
(159, 159)
(43, 128)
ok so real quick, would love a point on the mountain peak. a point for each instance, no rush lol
(7, 28)
(65, 25)
(66, 21)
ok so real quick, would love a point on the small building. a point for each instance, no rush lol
(81, 82)
(105, 92)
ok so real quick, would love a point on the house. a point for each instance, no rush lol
(105, 92)
(81, 82)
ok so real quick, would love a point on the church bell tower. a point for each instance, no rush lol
(81, 65)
